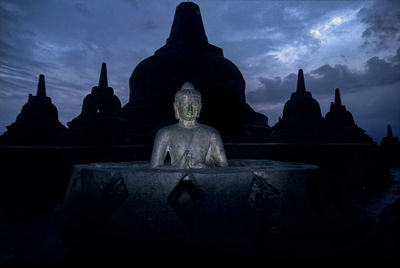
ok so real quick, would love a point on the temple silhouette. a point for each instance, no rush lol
(390, 147)
(100, 120)
(389, 140)
(188, 57)
(341, 125)
(325, 165)
(301, 120)
(37, 124)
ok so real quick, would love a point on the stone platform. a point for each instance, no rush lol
(164, 209)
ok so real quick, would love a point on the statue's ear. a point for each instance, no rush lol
(198, 113)
(176, 111)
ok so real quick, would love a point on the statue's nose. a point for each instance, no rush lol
(190, 108)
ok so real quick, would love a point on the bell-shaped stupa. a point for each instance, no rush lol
(100, 119)
(188, 57)
(301, 120)
(341, 125)
(390, 148)
(390, 140)
(37, 124)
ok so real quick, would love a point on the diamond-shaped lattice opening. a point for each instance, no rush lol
(114, 194)
(186, 200)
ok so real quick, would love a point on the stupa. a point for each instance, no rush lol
(301, 120)
(389, 140)
(390, 148)
(37, 124)
(100, 119)
(341, 125)
(188, 57)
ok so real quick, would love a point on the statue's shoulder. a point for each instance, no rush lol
(208, 129)
(166, 130)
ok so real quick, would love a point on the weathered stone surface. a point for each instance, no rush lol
(187, 56)
(186, 200)
(167, 203)
(283, 197)
(188, 143)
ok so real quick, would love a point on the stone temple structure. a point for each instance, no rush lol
(389, 140)
(37, 124)
(341, 125)
(99, 121)
(302, 120)
(188, 57)
(390, 148)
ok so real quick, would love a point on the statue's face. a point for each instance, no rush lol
(188, 107)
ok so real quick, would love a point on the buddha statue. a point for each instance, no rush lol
(189, 144)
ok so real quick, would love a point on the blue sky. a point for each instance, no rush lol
(352, 45)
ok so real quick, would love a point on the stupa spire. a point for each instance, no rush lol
(338, 101)
(41, 89)
(103, 82)
(187, 28)
(301, 87)
(389, 131)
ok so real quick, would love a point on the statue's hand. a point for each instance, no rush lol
(199, 165)
(185, 161)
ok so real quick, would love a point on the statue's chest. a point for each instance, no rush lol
(194, 141)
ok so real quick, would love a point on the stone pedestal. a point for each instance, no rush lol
(131, 203)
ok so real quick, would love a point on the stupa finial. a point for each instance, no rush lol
(301, 87)
(389, 131)
(103, 82)
(187, 28)
(338, 101)
(41, 89)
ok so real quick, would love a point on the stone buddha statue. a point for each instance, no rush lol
(189, 144)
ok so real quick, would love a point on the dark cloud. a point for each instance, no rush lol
(82, 8)
(250, 34)
(372, 95)
(322, 80)
(383, 24)
(68, 40)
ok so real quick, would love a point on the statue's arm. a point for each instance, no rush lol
(217, 150)
(160, 149)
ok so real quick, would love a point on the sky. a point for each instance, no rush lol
(353, 45)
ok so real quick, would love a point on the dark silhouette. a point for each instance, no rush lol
(389, 140)
(99, 121)
(37, 124)
(34, 178)
(302, 120)
(390, 148)
(341, 125)
(187, 56)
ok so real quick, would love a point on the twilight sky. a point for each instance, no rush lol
(350, 44)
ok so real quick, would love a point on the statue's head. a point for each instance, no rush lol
(187, 103)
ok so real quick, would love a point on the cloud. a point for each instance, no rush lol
(68, 40)
(373, 92)
(82, 8)
(320, 81)
(271, 38)
(383, 24)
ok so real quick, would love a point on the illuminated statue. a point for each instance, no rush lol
(189, 144)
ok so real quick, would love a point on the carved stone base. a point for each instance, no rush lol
(223, 208)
